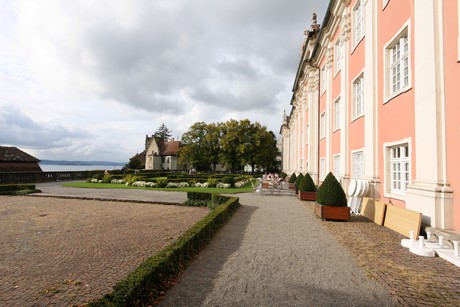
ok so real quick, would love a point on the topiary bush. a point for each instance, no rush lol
(331, 193)
(230, 180)
(307, 184)
(298, 180)
(293, 178)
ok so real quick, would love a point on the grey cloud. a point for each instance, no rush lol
(17, 128)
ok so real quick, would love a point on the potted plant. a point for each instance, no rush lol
(297, 182)
(307, 188)
(292, 181)
(331, 202)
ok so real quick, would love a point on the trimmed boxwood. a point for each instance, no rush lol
(145, 284)
(17, 189)
(331, 193)
(298, 180)
(293, 178)
(230, 180)
(307, 184)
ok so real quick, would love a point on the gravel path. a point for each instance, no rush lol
(56, 188)
(275, 252)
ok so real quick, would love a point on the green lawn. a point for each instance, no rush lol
(83, 184)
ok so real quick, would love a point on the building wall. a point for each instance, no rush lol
(405, 138)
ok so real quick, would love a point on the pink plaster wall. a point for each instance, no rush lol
(452, 91)
(396, 117)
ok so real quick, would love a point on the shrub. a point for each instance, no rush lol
(307, 184)
(293, 178)
(161, 183)
(283, 175)
(298, 180)
(229, 180)
(98, 176)
(106, 178)
(331, 193)
(212, 182)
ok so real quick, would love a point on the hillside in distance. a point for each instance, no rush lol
(65, 162)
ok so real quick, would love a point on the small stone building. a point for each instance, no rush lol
(161, 155)
(13, 159)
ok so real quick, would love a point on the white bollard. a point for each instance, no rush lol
(420, 241)
(455, 248)
(411, 235)
(428, 235)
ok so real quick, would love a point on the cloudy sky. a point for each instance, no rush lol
(87, 80)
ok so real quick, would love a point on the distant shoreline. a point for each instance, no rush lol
(74, 167)
(89, 163)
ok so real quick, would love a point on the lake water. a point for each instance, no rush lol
(67, 168)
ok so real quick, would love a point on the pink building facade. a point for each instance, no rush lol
(377, 97)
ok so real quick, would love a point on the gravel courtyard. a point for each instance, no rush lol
(68, 251)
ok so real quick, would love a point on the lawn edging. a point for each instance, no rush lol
(154, 276)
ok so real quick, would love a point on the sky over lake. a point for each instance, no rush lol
(87, 80)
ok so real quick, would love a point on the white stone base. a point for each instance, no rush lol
(436, 203)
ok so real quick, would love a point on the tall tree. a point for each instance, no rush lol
(196, 151)
(212, 139)
(232, 144)
(163, 133)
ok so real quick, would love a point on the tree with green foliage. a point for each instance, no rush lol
(135, 163)
(232, 144)
(163, 133)
(195, 152)
(212, 140)
(331, 193)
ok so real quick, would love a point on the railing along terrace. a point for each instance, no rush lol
(34, 177)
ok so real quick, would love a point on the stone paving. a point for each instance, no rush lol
(413, 280)
(56, 251)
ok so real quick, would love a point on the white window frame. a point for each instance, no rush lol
(358, 22)
(337, 114)
(357, 108)
(357, 169)
(323, 79)
(322, 125)
(337, 166)
(398, 170)
(322, 168)
(338, 57)
(397, 63)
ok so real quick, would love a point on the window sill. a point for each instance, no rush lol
(395, 195)
(394, 95)
(357, 117)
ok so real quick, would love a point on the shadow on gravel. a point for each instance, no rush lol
(197, 280)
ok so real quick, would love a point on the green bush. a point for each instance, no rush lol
(98, 176)
(298, 180)
(230, 180)
(293, 178)
(162, 183)
(17, 189)
(283, 175)
(307, 184)
(145, 284)
(331, 193)
(106, 178)
(212, 182)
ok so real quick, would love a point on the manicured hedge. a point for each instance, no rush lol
(144, 285)
(14, 189)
